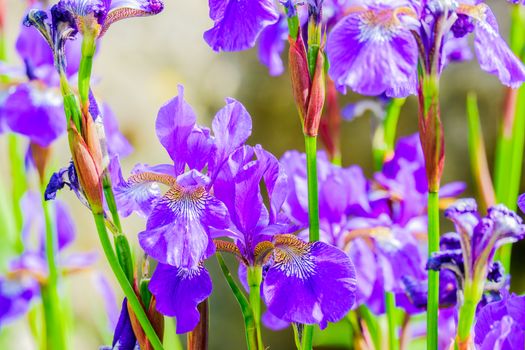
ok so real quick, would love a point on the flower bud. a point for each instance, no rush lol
(299, 74)
(156, 319)
(87, 167)
(316, 98)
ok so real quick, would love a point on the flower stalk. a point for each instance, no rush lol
(55, 336)
(125, 285)
(246, 310)
(390, 302)
(254, 282)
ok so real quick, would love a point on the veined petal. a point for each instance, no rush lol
(177, 232)
(238, 23)
(138, 194)
(372, 53)
(178, 291)
(494, 55)
(309, 282)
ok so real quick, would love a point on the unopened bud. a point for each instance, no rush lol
(316, 98)
(299, 74)
(88, 169)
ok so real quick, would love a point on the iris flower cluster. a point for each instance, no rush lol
(318, 242)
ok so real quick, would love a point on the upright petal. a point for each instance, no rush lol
(309, 282)
(231, 127)
(178, 291)
(372, 53)
(174, 125)
(238, 23)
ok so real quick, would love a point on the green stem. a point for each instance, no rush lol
(371, 325)
(433, 276)
(84, 70)
(19, 185)
(313, 213)
(467, 312)
(390, 302)
(385, 135)
(254, 281)
(124, 283)
(314, 43)
(313, 194)
(55, 336)
(246, 310)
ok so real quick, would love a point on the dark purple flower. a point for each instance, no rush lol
(469, 252)
(521, 202)
(501, 325)
(178, 291)
(123, 337)
(98, 15)
(238, 23)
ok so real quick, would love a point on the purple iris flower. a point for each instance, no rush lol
(98, 15)
(381, 224)
(375, 49)
(29, 270)
(469, 251)
(33, 107)
(501, 325)
(521, 202)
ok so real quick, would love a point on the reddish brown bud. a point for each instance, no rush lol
(316, 98)
(88, 169)
(41, 157)
(330, 127)
(431, 131)
(299, 74)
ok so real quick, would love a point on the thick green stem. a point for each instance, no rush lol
(254, 281)
(313, 194)
(84, 70)
(433, 276)
(19, 185)
(55, 335)
(390, 302)
(124, 283)
(467, 312)
(246, 310)
(313, 213)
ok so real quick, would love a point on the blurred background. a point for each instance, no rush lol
(138, 67)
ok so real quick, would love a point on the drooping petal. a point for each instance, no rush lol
(372, 53)
(238, 23)
(178, 228)
(124, 337)
(35, 113)
(309, 283)
(178, 291)
(494, 55)
(174, 125)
